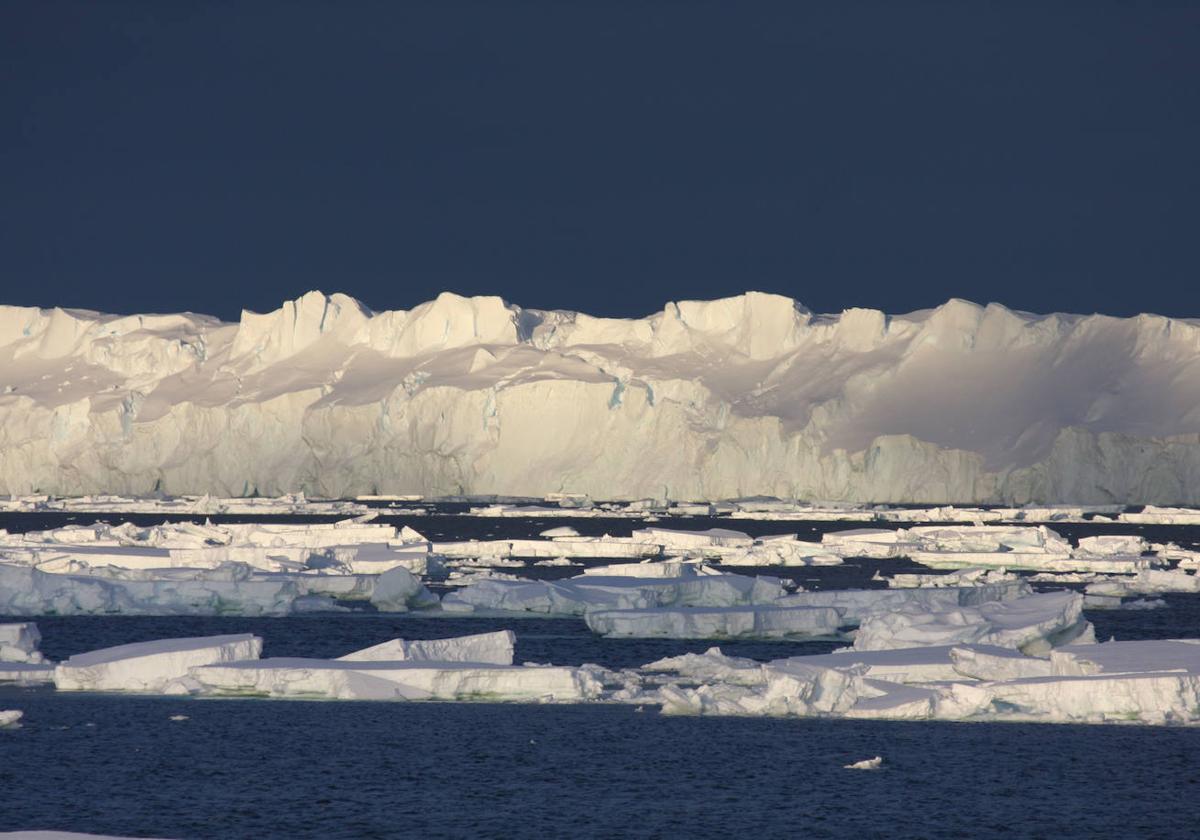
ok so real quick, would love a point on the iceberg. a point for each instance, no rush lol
(342, 679)
(150, 666)
(25, 673)
(28, 591)
(19, 643)
(747, 395)
(576, 596)
(493, 648)
(398, 590)
(761, 621)
(855, 604)
(1032, 624)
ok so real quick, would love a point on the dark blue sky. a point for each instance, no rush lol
(603, 156)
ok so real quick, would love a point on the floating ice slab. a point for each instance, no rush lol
(907, 665)
(150, 666)
(962, 577)
(1127, 657)
(1147, 697)
(19, 643)
(650, 569)
(368, 680)
(1108, 545)
(10, 717)
(710, 666)
(786, 687)
(26, 591)
(494, 648)
(398, 590)
(24, 673)
(866, 764)
(1148, 582)
(749, 622)
(979, 662)
(577, 595)
(856, 603)
(1031, 624)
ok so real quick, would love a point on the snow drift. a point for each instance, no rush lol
(747, 395)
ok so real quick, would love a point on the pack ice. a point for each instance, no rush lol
(1153, 682)
(728, 398)
(187, 568)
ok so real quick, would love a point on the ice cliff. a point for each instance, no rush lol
(747, 395)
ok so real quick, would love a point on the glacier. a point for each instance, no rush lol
(749, 395)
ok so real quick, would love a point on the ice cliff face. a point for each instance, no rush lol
(747, 395)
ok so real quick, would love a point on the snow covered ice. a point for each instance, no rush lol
(342, 679)
(150, 666)
(576, 596)
(494, 648)
(747, 622)
(1032, 624)
(453, 396)
(464, 668)
(19, 643)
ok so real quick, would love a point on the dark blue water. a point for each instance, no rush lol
(243, 768)
(258, 768)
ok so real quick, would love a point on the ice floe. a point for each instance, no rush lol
(575, 596)
(19, 643)
(494, 648)
(150, 666)
(745, 622)
(1032, 624)
(389, 680)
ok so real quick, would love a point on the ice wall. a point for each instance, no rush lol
(734, 397)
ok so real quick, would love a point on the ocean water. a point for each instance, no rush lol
(252, 769)
(262, 768)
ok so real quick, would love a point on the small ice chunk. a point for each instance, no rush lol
(866, 764)
(10, 717)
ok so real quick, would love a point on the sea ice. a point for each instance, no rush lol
(386, 680)
(24, 673)
(575, 596)
(19, 643)
(493, 648)
(857, 603)
(866, 764)
(150, 666)
(398, 590)
(1032, 624)
(760, 621)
